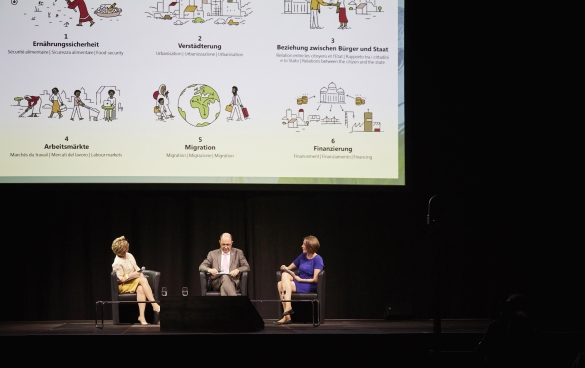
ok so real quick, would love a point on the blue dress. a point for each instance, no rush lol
(307, 269)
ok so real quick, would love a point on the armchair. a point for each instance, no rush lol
(127, 312)
(205, 291)
(301, 314)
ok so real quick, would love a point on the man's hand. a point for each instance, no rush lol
(212, 271)
(235, 272)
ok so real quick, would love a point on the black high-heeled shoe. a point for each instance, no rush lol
(282, 323)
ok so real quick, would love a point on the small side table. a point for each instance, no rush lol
(108, 112)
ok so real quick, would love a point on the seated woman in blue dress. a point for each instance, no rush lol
(309, 264)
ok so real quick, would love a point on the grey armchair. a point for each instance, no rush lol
(128, 312)
(300, 308)
(205, 291)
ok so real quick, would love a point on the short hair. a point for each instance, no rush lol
(76, 91)
(311, 243)
(228, 234)
(111, 91)
(119, 245)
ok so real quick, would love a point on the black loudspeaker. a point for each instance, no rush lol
(398, 311)
(209, 314)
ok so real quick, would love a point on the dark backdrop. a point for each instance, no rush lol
(472, 115)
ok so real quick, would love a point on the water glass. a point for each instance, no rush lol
(163, 291)
(185, 291)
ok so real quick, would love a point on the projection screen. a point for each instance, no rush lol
(203, 91)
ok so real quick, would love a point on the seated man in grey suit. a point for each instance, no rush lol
(224, 265)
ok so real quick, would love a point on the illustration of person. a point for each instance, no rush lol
(164, 94)
(112, 102)
(342, 14)
(83, 13)
(76, 103)
(315, 10)
(236, 105)
(161, 109)
(34, 104)
(56, 101)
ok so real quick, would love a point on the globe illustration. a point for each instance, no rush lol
(199, 105)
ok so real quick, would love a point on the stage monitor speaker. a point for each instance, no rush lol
(209, 314)
(398, 311)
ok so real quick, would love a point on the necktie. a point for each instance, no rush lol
(224, 263)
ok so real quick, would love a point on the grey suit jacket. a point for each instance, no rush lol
(237, 260)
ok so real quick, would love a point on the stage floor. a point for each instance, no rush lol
(391, 340)
(331, 326)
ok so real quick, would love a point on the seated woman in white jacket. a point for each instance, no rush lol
(130, 280)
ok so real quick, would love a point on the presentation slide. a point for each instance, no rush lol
(203, 91)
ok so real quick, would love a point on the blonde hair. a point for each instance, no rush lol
(311, 243)
(119, 246)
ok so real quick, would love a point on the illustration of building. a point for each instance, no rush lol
(190, 12)
(364, 6)
(174, 7)
(368, 125)
(368, 121)
(296, 6)
(331, 94)
(221, 7)
(192, 9)
(231, 8)
(294, 120)
(346, 113)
